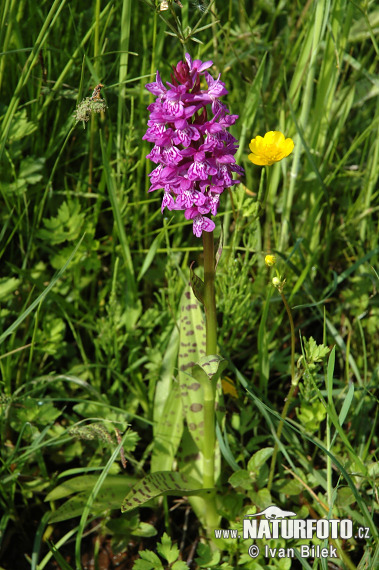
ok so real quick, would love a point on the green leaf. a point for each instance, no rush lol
(179, 565)
(69, 487)
(169, 431)
(63, 565)
(144, 565)
(311, 415)
(21, 127)
(167, 550)
(241, 479)
(110, 495)
(345, 497)
(74, 508)
(346, 404)
(197, 285)
(156, 484)
(151, 254)
(7, 286)
(39, 412)
(148, 561)
(145, 529)
(191, 349)
(66, 226)
(133, 303)
(168, 411)
(289, 487)
(209, 368)
(219, 247)
(315, 352)
(31, 169)
(259, 458)
(41, 297)
(207, 557)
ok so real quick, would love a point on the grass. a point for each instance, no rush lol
(92, 277)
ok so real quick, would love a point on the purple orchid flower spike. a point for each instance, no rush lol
(193, 149)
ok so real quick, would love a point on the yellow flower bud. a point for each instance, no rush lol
(276, 281)
(270, 260)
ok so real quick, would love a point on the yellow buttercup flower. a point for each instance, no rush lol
(270, 149)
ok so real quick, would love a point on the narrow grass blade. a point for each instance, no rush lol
(42, 296)
(48, 24)
(91, 499)
(131, 293)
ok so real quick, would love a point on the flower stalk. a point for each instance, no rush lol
(209, 293)
(211, 348)
(211, 515)
(277, 283)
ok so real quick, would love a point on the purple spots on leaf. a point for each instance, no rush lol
(196, 407)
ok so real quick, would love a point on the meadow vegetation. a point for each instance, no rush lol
(93, 275)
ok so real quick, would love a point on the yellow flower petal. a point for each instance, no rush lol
(256, 159)
(276, 138)
(288, 146)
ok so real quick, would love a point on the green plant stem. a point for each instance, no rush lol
(211, 348)
(211, 515)
(289, 397)
(288, 309)
(209, 293)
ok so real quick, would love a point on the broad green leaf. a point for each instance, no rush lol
(191, 349)
(156, 484)
(74, 508)
(190, 459)
(168, 431)
(109, 497)
(116, 483)
(168, 412)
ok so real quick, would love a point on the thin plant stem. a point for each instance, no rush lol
(290, 393)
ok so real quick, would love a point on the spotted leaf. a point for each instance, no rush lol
(156, 484)
(191, 349)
